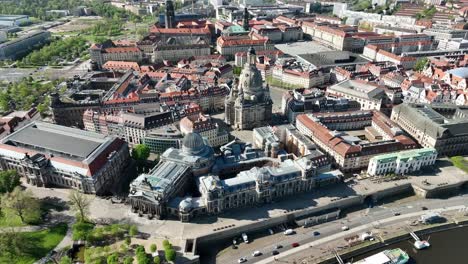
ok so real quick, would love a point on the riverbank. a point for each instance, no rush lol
(367, 247)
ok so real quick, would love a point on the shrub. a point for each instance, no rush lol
(166, 244)
(170, 254)
(153, 248)
(128, 260)
(156, 260)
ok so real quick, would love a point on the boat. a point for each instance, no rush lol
(421, 244)
(389, 256)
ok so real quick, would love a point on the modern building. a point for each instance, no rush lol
(368, 95)
(48, 155)
(206, 127)
(305, 101)
(164, 138)
(249, 104)
(434, 126)
(24, 44)
(403, 162)
(14, 20)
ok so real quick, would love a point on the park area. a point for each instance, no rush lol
(460, 162)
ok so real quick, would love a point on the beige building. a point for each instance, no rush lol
(442, 127)
(206, 127)
(249, 104)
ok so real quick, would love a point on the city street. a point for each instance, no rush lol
(386, 219)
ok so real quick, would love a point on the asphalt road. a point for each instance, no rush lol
(353, 221)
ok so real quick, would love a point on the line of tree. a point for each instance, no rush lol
(38, 8)
(57, 51)
(24, 94)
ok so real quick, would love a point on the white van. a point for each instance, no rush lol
(288, 232)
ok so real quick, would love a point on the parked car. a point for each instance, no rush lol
(295, 244)
(424, 208)
(344, 228)
(242, 260)
(316, 233)
(270, 231)
(278, 246)
(256, 253)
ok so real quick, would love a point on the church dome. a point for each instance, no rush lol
(193, 143)
(250, 79)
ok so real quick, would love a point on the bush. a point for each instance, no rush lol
(153, 248)
(133, 231)
(170, 254)
(113, 259)
(81, 230)
(128, 260)
(156, 260)
(166, 244)
(128, 241)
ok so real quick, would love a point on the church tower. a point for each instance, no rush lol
(170, 14)
(245, 20)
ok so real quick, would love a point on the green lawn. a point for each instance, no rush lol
(38, 245)
(9, 218)
(460, 162)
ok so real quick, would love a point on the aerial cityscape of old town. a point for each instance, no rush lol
(233, 131)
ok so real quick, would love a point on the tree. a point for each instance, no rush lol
(166, 244)
(156, 260)
(65, 260)
(128, 241)
(153, 248)
(8, 181)
(128, 260)
(23, 204)
(170, 254)
(80, 204)
(421, 64)
(113, 259)
(141, 152)
(11, 243)
(133, 231)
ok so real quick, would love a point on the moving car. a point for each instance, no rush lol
(242, 260)
(295, 244)
(275, 252)
(344, 228)
(288, 232)
(316, 233)
(256, 253)
(278, 246)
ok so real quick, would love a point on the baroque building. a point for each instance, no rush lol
(249, 104)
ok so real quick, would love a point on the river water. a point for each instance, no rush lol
(447, 247)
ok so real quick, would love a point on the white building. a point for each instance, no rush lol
(402, 162)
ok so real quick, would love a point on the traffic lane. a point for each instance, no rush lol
(359, 218)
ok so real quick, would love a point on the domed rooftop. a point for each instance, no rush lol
(193, 143)
(251, 78)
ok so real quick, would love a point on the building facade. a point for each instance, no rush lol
(206, 127)
(48, 155)
(434, 126)
(403, 162)
(249, 104)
